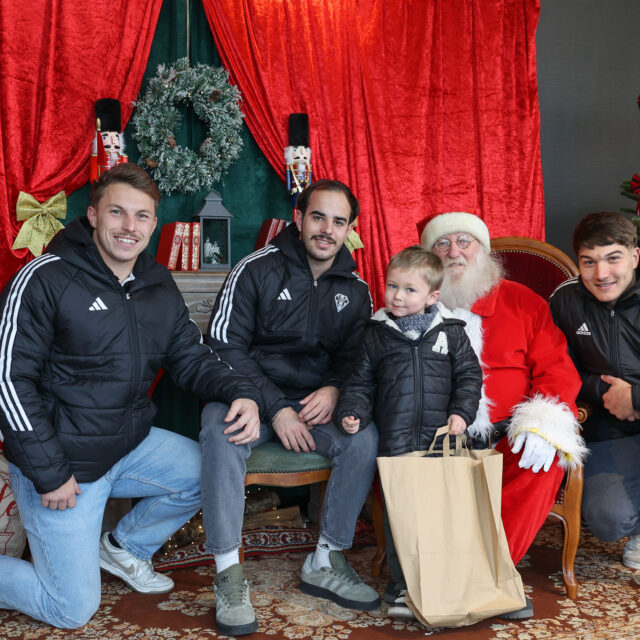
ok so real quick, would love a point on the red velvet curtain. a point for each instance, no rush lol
(57, 58)
(419, 105)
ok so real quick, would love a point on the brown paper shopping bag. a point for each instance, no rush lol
(444, 511)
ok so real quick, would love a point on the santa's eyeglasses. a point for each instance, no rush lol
(444, 244)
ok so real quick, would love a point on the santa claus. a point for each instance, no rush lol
(530, 383)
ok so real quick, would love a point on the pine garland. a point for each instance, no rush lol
(214, 100)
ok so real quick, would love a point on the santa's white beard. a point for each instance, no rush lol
(462, 289)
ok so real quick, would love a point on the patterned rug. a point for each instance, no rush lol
(607, 608)
(258, 542)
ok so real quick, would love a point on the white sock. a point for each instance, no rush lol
(225, 560)
(321, 556)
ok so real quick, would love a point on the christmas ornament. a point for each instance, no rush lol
(40, 221)
(156, 119)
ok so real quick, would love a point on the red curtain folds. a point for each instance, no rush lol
(419, 105)
(57, 58)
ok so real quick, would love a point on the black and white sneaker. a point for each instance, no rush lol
(399, 610)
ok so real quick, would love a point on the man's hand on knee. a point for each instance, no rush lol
(292, 431)
(319, 405)
(62, 497)
(246, 427)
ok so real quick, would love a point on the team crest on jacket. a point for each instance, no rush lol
(341, 301)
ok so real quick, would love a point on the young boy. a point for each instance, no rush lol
(417, 371)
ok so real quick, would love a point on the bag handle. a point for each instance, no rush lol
(461, 443)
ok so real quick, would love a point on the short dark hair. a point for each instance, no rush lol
(425, 261)
(602, 229)
(329, 185)
(126, 173)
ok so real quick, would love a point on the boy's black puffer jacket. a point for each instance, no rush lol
(410, 388)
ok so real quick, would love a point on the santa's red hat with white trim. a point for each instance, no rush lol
(437, 225)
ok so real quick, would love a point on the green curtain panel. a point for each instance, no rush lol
(251, 191)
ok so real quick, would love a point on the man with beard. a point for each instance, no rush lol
(530, 382)
(290, 317)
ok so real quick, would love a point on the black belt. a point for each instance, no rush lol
(498, 431)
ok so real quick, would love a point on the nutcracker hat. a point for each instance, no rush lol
(108, 110)
(436, 225)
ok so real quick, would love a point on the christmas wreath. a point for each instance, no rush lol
(214, 100)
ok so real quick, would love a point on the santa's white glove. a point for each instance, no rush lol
(538, 453)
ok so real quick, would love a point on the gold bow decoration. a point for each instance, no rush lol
(353, 241)
(40, 221)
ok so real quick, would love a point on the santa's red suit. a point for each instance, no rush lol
(530, 377)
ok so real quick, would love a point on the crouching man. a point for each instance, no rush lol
(84, 330)
(599, 312)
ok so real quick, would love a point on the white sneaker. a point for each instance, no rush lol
(137, 573)
(631, 553)
(399, 609)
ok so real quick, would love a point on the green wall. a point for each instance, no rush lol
(251, 190)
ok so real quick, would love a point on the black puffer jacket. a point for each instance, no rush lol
(409, 388)
(79, 353)
(290, 334)
(602, 339)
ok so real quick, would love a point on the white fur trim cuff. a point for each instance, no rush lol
(553, 421)
(456, 221)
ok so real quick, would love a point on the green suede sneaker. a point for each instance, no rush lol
(340, 584)
(234, 613)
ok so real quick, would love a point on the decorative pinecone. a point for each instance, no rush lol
(215, 95)
(171, 141)
(152, 164)
(205, 143)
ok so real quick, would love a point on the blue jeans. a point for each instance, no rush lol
(224, 466)
(62, 586)
(611, 498)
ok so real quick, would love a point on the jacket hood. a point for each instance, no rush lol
(288, 241)
(75, 245)
(442, 315)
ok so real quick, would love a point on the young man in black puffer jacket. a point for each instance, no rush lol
(84, 329)
(417, 371)
(599, 312)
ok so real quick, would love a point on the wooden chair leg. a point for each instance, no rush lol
(569, 548)
(377, 515)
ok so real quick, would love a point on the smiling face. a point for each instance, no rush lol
(455, 259)
(323, 228)
(123, 222)
(608, 271)
(407, 292)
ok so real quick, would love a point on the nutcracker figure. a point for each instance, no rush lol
(297, 156)
(108, 147)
